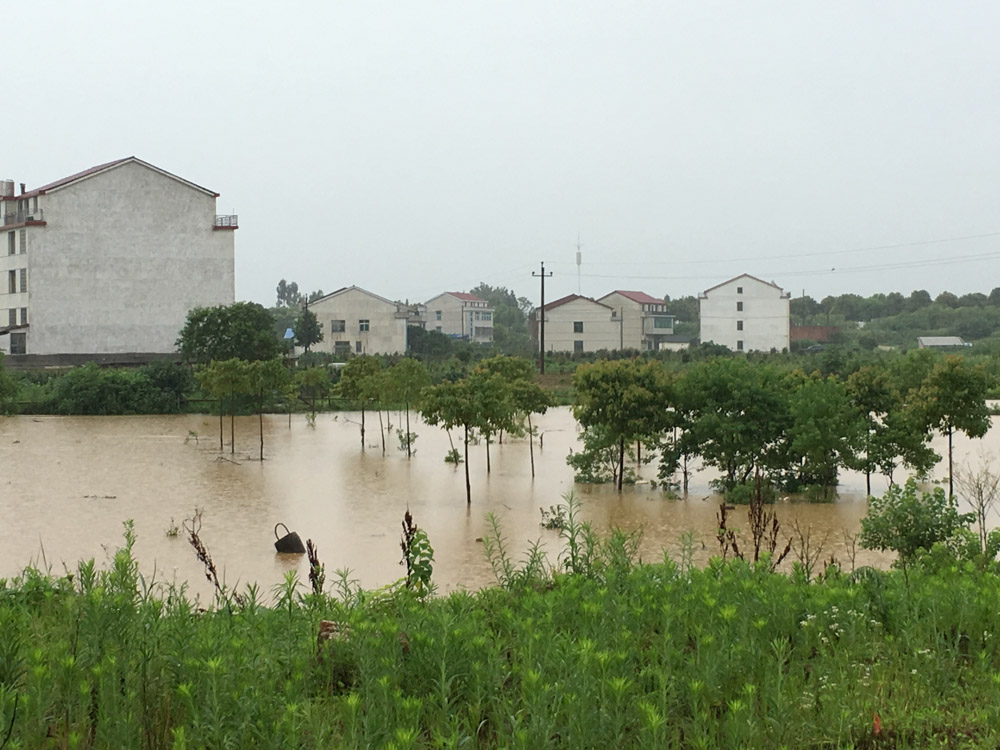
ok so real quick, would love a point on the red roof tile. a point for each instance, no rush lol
(466, 296)
(641, 297)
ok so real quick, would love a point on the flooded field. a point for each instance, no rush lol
(68, 483)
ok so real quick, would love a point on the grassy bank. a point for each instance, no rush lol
(612, 654)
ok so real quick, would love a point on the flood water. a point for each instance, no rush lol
(68, 483)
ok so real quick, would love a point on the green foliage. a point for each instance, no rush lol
(307, 329)
(157, 388)
(431, 344)
(906, 520)
(243, 330)
(418, 557)
(8, 389)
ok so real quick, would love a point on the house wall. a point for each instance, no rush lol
(600, 331)
(630, 313)
(123, 257)
(386, 332)
(764, 315)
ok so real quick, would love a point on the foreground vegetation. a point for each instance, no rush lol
(597, 651)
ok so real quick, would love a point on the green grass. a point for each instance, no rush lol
(616, 654)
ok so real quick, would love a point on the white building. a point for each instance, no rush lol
(109, 261)
(461, 315)
(355, 321)
(579, 324)
(745, 314)
(643, 318)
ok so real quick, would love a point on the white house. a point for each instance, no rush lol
(579, 324)
(109, 261)
(745, 314)
(643, 319)
(356, 321)
(461, 315)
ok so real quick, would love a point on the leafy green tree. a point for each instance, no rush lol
(406, 382)
(360, 381)
(510, 318)
(738, 418)
(288, 294)
(825, 433)
(243, 330)
(313, 383)
(8, 389)
(624, 398)
(906, 520)
(307, 329)
(262, 379)
(432, 344)
(953, 397)
(224, 380)
(454, 405)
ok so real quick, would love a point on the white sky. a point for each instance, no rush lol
(416, 147)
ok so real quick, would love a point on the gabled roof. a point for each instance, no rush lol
(572, 298)
(101, 168)
(744, 276)
(466, 296)
(353, 288)
(641, 297)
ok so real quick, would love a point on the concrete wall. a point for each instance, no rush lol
(600, 331)
(386, 332)
(122, 259)
(630, 313)
(764, 315)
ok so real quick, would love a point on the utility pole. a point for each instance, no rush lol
(541, 323)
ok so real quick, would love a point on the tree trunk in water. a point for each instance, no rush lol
(232, 431)
(868, 482)
(381, 430)
(468, 486)
(221, 448)
(362, 425)
(638, 453)
(531, 447)
(487, 454)
(951, 484)
(408, 453)
(621, 463)
(260, 421)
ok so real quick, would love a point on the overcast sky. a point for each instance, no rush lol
(417, 147)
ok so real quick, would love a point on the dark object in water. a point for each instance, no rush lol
(290, 542)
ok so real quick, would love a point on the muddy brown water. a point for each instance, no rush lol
(68, 483)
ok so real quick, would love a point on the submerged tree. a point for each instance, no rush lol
(225, 381)
(406, 382)
(454, 405)
(359, 381)
(262, 379)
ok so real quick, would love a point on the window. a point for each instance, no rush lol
(487, 316)
(338, 326)
(362, 326)
(437, 315)
(24, 316)
(12, 282)
(357, 347)
(739, 345)
(19, 343)
(12, 317)
(662, 323)
(739, 325)
(24, 241)
(577, 346)
(24, 279)
(10, 243)
(477, 315)
(739, 290)
(578, 327)
(437, 328)
(739, 307)
(342, 348)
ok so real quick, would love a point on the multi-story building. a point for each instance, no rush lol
(745, 314)
(642, 319)
(578, 324)
(356, 321)
(461, 315)
(108, 262)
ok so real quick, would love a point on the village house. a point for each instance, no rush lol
(460, 315)
(356, 321)
(578, 324)
(106, 263)
(642, 319)
(745, 314)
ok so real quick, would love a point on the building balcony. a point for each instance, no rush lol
(226, 221)
(657, 325)
(24, 217)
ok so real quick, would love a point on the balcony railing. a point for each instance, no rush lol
(230, 221)
(22, 217)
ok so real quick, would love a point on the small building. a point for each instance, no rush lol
(745, 314)
(941, 342)
(578, 324)
(106, 264)
(356, 321)
(643, 319)
(461, 315)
